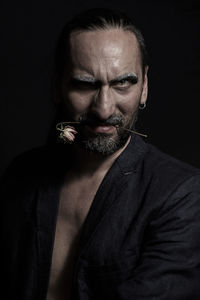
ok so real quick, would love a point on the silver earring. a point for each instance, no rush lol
(142, 106)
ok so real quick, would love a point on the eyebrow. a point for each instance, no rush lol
(89, 79)
(84, 79)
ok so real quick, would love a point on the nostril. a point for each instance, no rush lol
(103, 109)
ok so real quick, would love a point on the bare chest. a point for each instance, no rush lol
(75, 202)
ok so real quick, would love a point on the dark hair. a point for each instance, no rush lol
(96, 19)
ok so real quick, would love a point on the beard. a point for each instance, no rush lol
(105, 144)
(102, 143)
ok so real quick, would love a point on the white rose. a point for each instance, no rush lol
(68, 134)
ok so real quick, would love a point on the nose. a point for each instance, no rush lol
(103, 104)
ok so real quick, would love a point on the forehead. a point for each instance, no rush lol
(110, 52)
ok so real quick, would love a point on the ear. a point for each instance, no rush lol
(145, 87)
(56, 88)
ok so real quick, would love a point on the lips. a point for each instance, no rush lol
(106, 129)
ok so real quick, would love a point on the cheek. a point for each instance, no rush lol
(128, 104)
(77, 103)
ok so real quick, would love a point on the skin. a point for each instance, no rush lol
(103, 79)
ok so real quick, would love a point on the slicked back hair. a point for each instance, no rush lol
(91, 20)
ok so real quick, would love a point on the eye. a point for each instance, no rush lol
(122, 84)
(125, 83)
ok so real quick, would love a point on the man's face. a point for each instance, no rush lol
(103, 86)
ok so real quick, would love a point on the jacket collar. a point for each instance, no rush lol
(130, 157)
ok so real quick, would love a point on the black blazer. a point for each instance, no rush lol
(141, 238)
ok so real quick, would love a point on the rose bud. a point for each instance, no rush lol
(68, 134)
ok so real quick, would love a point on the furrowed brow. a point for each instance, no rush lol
(128, 76)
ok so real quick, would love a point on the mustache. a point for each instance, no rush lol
(95, 121)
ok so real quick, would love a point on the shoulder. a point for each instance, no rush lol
(30, 174)
(27, 162)
(36, 165)
(164, 165)
(38, 161)
(171, 178)
(152, 162)
(159, 174)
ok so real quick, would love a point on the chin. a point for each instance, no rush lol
(104, 144)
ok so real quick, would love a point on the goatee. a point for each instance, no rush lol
(105, 144)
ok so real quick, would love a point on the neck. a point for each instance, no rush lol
(89, 163)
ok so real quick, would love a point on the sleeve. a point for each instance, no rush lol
(169, 264)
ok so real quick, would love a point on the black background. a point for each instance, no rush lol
(29, 30)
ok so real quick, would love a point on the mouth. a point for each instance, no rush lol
(104, 129)
(67, 132)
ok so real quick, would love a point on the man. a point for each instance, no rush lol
(107, 216)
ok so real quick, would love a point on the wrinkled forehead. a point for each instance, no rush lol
(110, 46)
